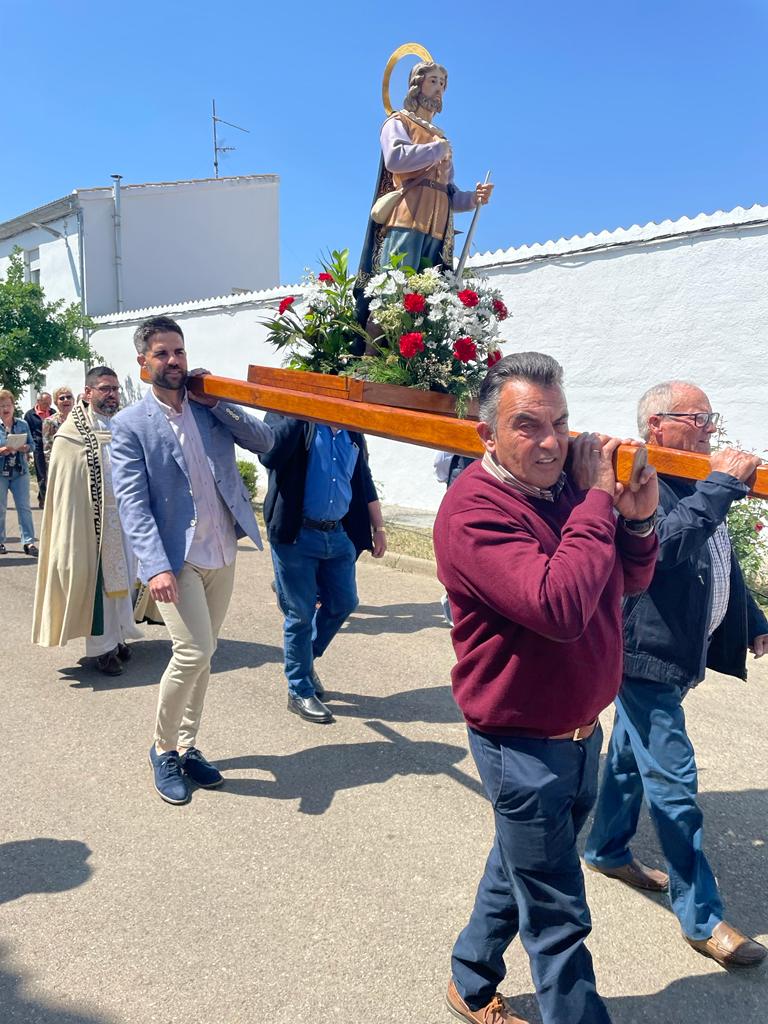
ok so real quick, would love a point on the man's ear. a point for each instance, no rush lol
(141, 359)
(654, 429)
(486, 436)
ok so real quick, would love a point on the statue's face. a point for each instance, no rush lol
(433, 85)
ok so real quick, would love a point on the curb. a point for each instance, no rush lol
(404, 563)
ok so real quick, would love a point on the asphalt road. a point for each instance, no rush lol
(327, 879)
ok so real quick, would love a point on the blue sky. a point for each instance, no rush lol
(589, 115)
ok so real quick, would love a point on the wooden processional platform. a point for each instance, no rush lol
(367, 407)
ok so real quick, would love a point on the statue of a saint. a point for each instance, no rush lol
(416, 157)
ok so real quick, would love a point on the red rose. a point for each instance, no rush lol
(411, 343)
(468, 297)
(493, 358)
(464, 349)
(758, 526)
(287, 301)
(414, 303)
(325, 278)
(500, 309)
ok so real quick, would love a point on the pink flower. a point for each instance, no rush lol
(468, 297)
(325, 278)
(500, 309)
(285, 304)
(411, 343)
(464, 349)
(414, 303)
(493, 358)
(759, 526)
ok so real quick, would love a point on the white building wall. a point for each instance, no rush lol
(181, 241)
(59, 259)
(619, 319)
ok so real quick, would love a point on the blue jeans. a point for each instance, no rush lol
(318, 566)
(650, 754)
(19, 488)
(541, 792)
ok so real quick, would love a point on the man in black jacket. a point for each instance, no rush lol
(321, 511)
(697, 614)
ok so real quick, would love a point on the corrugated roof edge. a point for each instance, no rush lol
(256, 298)
(650, 232)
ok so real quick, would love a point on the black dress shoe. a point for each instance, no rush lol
(319, 688)
(310, 708)
(109, 665)
(124, 652)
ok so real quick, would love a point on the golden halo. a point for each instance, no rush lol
(407, 49)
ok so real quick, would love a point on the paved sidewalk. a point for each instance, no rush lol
(327, 879)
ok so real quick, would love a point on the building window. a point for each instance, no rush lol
(32, 266)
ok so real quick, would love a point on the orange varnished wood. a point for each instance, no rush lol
(430, 430)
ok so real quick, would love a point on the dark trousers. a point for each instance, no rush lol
(541, 792)
(651, 756)
(41, 471)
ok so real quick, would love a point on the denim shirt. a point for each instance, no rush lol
(332, 459)
(16, 464)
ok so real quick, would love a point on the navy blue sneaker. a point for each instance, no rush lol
(170, 783)
(201, 770)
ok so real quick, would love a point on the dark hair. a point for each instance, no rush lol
(534, 367)
(142, 336)
(97, 371)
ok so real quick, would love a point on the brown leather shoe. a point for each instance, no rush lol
(498, 1011)
(636, 874)
(729, 947)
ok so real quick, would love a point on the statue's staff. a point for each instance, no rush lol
(470, 235)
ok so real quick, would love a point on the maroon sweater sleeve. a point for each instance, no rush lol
(638, 557)
(553, 594)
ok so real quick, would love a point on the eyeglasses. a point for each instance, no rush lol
(70, 397)
(700, 419)
(107, 389)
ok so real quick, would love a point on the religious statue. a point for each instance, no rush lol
(415, 195)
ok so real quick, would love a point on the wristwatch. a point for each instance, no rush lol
(639, 527)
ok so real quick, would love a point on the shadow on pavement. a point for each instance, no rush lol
(42, 865)
(428, 704)
(314, 776)
(394, 618)
(735, 996)
(150, 658)
(18, 1010)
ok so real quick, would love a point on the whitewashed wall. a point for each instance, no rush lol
(642, 308)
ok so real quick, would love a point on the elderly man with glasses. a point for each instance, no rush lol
(696, 614)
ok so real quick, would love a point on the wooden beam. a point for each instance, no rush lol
(429, 430)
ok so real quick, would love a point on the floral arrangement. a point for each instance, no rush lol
(323, 339)
(441, 333)
(436, 333)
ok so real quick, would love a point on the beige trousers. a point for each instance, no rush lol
(194, 625)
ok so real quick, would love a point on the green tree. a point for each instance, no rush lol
(35, 333)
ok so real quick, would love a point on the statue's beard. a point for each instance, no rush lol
(434, 104)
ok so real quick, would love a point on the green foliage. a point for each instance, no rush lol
(745, 521)
(250, 475)
(35, 333)
(321, 340)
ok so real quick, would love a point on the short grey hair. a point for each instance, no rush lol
(534, 367)
(658, 399)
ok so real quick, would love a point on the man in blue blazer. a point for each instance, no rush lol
(183, 505)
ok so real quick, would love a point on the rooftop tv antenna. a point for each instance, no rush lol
(216, 147)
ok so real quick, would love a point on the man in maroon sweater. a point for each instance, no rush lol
(535, 560)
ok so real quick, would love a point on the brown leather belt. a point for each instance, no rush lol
(582, 733)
